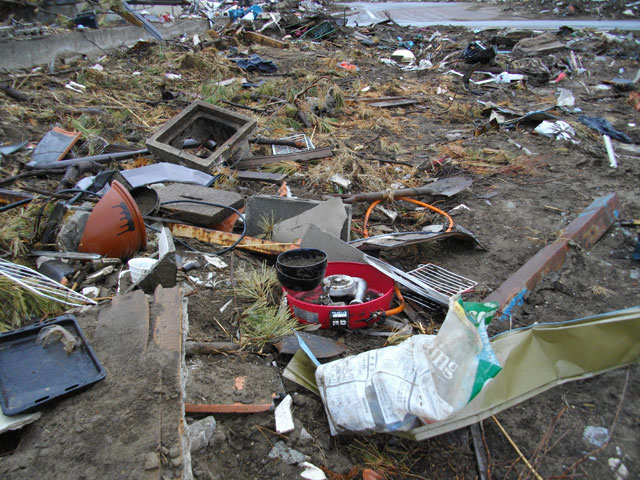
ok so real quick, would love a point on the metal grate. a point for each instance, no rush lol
(443, 280)
(428, 280)
(283, 149)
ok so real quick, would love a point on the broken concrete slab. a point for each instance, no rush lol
(540, 45)
(15, 422)
(194, 213)
(330, 216)
(276, 209)
(18, 54)
(109, 430)
(204, 123)
(335, 248)
(164, 271)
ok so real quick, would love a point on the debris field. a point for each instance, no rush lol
(166, 207)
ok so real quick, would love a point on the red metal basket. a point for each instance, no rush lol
(351, 316)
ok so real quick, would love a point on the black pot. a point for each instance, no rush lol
(299, 284)
(302, 263)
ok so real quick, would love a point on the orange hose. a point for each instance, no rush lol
(400, 308)
(411, 200)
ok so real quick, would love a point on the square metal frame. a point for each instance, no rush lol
(228, 129)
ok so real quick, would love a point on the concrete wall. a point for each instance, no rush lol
(18, 54)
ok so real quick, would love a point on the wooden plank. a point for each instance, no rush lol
(166, 330)
(261, 176)
(265, 40)
(590, 225)
(166, 344)
(376, 99)
(303, 156)
(131, 330)
(394, 103)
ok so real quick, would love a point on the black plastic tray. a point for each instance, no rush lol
(32, 375)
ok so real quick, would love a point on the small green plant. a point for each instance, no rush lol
(261, 323)
(326, 124)
(86, 124)
(265, 224)
(263, 320)
(257, 284)
(288, 167)
(338, 98)
(269, 89)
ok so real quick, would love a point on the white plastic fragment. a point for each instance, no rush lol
(172, 76)
(76, 87)
(560, 130)
(565, 98)
(284, 417)
(209, 282)
(459, 209)
(506, 77)
(403, 55)
(340, 180)
(312, 472)
(392, 214)
(216, 262)
(613, 163)
(619, 469)
(15, 422)
(224, 307)
(97, 67)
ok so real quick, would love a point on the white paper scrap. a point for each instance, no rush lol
(312, 472)
(284, 417)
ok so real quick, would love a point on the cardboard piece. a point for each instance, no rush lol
(329, 216)
(54, 146)
(542, 356)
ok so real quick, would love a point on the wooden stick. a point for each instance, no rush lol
(210, 348)
(13, 93)
(238, 105)
(515, 447)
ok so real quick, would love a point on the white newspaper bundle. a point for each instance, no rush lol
(425, 378)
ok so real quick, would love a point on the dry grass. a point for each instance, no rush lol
(20, 305)
(602, 291)
(384, 459)
(257, 284)
(16, 228)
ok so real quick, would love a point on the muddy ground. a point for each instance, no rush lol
(526, 189)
